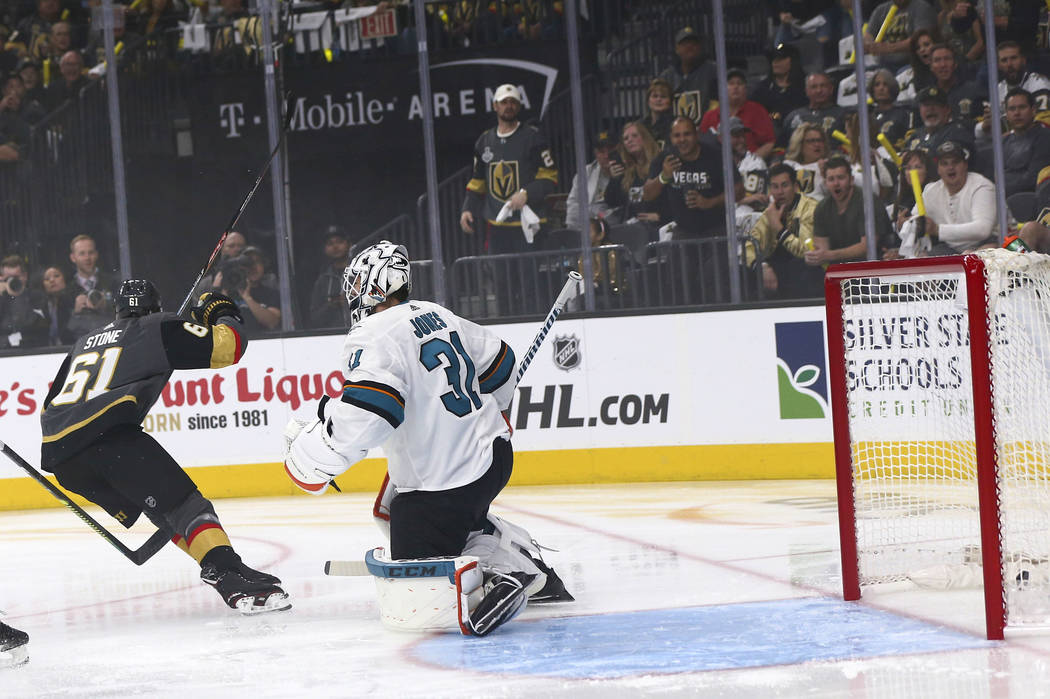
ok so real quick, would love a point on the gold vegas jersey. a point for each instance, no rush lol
(505, 164)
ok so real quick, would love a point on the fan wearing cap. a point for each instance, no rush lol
(754, 116)
(910, 16)
(937, 124)
(512, 164)
(693, 78)
(752, 170)
(821, 111)
(513, 167)
(34, 98)
(597, 175)
(326, 297)
(783, 90)
(960, 206)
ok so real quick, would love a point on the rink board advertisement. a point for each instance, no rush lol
(727, 395)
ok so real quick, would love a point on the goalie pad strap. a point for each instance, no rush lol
(381, 507)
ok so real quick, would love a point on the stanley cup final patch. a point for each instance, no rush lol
(567, 352)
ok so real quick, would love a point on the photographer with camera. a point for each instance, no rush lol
(23, 321)
(92, 288)
(241, 278)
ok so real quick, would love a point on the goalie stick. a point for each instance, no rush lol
(244, 205)
(138, 556)
(568, 291)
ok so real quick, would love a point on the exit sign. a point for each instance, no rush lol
(379, 25)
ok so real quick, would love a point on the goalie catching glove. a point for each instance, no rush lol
(310, 459)
(212, 306)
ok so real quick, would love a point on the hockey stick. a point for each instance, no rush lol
(137, 556)
(244, 205)
(571, 288)
(567, 292)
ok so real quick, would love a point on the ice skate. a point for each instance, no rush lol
(244, 589)
(553, 590)
(14, 646)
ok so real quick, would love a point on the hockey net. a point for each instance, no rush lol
(943, 444)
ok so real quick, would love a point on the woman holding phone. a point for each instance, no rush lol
(629, 166)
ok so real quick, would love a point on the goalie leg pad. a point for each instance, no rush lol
(506, 550)
(516, 539)
(495, 557)
(426, 594)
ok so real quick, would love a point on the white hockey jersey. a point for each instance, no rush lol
(429, 387)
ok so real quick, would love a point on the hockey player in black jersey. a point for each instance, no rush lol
(94, 444)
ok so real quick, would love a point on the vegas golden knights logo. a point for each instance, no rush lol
(805, 180)
(687, 104)
(503, 179)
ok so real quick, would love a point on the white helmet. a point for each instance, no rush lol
(375, 273)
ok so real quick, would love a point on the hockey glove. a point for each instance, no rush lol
(310, 460)
(213, 306)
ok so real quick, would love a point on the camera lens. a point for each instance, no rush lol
(95, 297)
(15, 285)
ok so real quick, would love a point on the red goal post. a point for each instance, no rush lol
(940, 393)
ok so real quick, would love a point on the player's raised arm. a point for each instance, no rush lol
(210, 341)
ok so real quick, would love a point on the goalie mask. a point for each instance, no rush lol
(136, 297)
(372, 276)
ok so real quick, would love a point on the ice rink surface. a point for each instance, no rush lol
(683, 589)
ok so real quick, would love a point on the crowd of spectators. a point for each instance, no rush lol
(59, 301)
(796, 140)
(794, 137)
(52, 304)
(50, 50)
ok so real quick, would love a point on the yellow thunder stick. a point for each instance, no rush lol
(886, 23)
(881, 138)
(841, 138)
(916, 188)
(864, 30)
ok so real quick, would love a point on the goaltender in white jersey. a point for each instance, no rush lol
(445, 378)
(430, 387)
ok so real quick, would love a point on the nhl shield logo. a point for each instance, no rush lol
(567, 352)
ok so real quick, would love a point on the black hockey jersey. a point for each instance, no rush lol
(505, 164)
(113, 375)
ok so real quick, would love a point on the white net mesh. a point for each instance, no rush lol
(912, 428)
